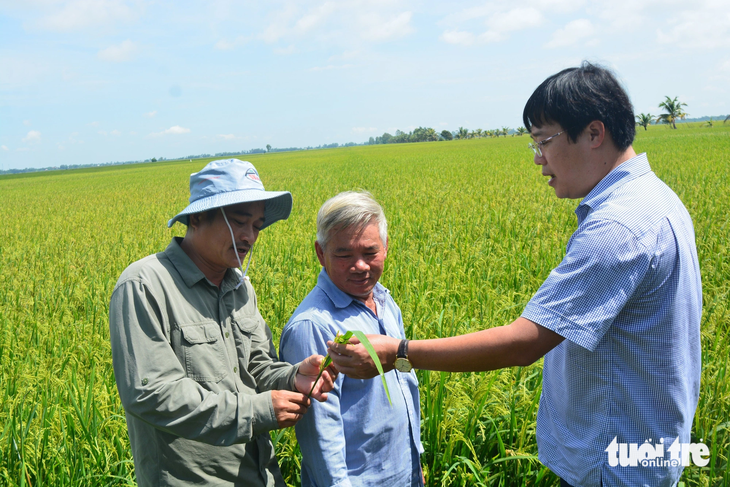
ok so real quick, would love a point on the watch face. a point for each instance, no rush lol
(403, 364)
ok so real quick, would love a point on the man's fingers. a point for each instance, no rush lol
(289, 407)
(310, 365)
(341, 347)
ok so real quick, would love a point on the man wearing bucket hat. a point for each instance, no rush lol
(194, 361)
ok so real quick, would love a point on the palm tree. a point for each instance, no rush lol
(521, 131)
(726, 119)
(644, 119)
(674, 111)
(710, 122)
(462, 133)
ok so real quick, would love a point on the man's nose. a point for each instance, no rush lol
(248, 234)
(361, 265)
(539, 160)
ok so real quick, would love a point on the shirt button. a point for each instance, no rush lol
(226, 334)
(235, 370)
(144, 381)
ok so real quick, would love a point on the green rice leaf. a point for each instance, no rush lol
(328, 360)
(369, 347)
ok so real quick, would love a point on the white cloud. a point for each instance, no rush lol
(458, 37)
(345, 56)
(26, 123)
(4, 147)
(151, 114)
(227, 136)
(119, 53)
(292, 49)
(330, 67)
(572, 33)
(94, 124)
(84, 14)
(345, 21)
(499, 24)
(376, 28)
(33, 136)
(360, 130)
(174, 130)
(225, 45)
(705, 26)
(514, 20)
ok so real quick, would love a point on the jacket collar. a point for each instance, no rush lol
(189, 272)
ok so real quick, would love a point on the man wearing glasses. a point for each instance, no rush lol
(618, 321)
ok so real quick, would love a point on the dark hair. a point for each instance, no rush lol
(575, 97)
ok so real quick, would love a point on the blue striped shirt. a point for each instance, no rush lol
(628, 299)
(355, 439)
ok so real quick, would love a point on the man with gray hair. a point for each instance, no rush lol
(356, 438)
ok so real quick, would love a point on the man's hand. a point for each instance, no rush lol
(289, 407)
(307, 374)
(354, 361)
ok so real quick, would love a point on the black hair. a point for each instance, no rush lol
(575, 97)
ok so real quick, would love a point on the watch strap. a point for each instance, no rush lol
(402, 349)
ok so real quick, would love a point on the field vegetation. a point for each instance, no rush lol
(474, 230)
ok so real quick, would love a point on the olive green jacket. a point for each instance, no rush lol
(193, 364)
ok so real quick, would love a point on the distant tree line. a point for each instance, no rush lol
(427, 134)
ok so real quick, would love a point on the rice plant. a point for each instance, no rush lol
(474, 230)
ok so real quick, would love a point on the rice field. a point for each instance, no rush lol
(474, 230)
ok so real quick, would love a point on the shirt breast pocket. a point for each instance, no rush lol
(244, 328)
(205, 355)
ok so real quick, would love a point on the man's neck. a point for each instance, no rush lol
(369, 302)
(213, 275)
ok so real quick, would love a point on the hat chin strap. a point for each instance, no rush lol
(250, 252)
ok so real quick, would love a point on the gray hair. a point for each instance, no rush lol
(348, 209)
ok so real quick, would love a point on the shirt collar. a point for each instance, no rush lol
(189, 272)
(340, 298)
(625, 172)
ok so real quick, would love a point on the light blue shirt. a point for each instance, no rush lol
(628, 299)
(355, 438)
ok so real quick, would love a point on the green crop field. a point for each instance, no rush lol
(474, 230)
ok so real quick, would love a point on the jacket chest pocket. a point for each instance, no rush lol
(204, 352)
(243, 332)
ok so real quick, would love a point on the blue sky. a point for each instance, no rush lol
(93, 81)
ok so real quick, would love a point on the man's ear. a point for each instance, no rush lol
(596, 133)
(194, 221)
(320, 253)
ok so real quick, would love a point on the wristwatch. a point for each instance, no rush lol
(401, 357)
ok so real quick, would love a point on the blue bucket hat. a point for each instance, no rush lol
(229, 182)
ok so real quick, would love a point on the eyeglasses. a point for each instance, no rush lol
(537, 146)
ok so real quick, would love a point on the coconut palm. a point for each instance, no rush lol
(726, 119)
(521, 131)
(644, 119)
(710, 122)
(673, 107)
(462, 133)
